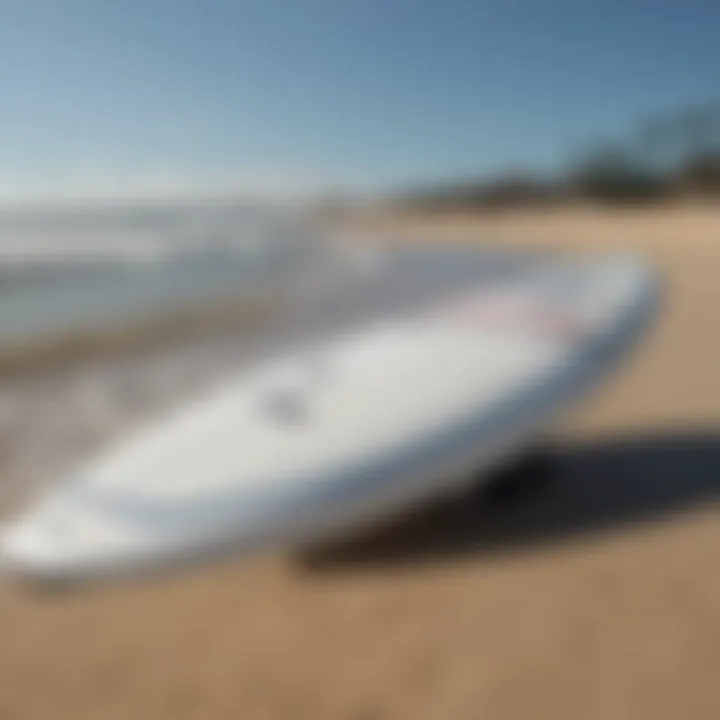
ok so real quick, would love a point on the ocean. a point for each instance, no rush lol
(62, 270)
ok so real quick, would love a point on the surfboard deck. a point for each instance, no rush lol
(337, 433)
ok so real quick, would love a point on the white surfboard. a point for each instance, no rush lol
(319, 440)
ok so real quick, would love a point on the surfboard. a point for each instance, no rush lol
(317, 440)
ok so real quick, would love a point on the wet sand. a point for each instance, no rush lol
(589, 592)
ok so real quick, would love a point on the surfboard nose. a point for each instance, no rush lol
(639, 285)
(621, 285)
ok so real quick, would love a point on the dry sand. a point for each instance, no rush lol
(595, 595)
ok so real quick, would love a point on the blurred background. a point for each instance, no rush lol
(175, 174)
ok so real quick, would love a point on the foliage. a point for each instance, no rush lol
(665, 157)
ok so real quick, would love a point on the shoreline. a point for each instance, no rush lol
(48, 351)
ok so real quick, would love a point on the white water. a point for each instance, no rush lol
(60, 269)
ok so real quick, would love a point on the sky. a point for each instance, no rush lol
(284, 97)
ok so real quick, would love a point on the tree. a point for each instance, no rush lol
(613, 174)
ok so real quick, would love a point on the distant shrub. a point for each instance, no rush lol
(670, 155)
(700, 174)
(506, 191)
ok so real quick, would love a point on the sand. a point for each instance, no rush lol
(591, 595)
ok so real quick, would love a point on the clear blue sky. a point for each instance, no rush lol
(273, 94)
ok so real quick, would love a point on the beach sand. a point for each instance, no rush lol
(592, 594)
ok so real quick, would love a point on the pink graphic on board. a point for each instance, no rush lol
(517, 310)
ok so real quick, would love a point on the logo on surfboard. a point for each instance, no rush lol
(516, 310)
